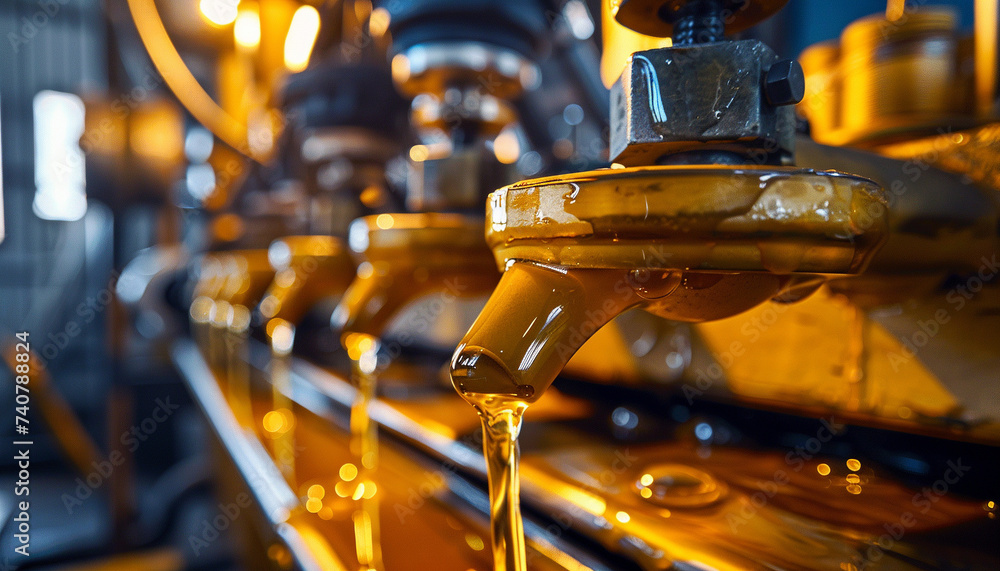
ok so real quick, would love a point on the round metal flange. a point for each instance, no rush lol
(436, 67)
(777, 220)
(657, 17)
(421, 238)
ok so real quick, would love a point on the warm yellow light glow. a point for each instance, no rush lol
(419, 153)
(620, 43)
(622, 517)
(313, 505)
(157, 132)
(506, 147)
(985, 60)
(646, 479)
(365, 270)
(246, 32)
(301, 38)
(179, 78)
(823, 469)
(348, 472)
(372, 196)
(359, 491)
(378, 23)
(854, 465)
(362, 9)
(274, 421)
(474, 541)
(384, 221)
(316, 491)
(895, 9)
(646, 493)
(219, 12)
(282, 337)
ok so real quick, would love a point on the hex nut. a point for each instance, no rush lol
(696, 98)
(785, 83)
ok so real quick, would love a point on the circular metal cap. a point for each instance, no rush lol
(780, 220)
(657, 17)
(422, 237)
(713, 242)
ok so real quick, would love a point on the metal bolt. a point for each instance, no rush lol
(699, 22)
(785, 83)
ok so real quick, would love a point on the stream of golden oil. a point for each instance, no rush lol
(282, 335)
(501, 419)
(235, 334)
(534, 322)
(855, 372)
(363, 351)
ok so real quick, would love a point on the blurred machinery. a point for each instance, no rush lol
(746, 305)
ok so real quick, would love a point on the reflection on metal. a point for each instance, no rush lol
(282, 334)
(758, 285)
(181, 81)
(653, 89)
(363, 350)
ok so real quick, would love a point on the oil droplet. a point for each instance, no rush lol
(680, 486)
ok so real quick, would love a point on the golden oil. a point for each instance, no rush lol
(407, 256)
(689, 244)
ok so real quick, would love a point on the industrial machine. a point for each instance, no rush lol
(567, 284)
